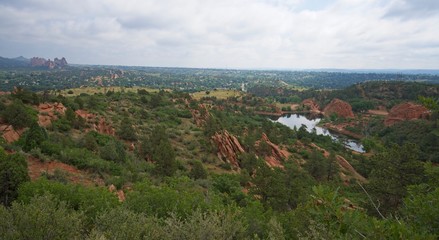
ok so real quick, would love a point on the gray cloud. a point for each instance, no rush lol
(228, 33)
(409, 9)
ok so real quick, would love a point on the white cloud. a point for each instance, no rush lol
(228, 33)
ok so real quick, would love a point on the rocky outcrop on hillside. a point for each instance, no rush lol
(276, 156)
(119, 193)
(228, 147)
(37, 62)
(347, 171)
(104, 127)
(347, 168)
(200, 115)
(340, 108)
(48, 112)
(98, 124)
(41, 62)
(311, 105)
(60, 62)
(406, 111)
(9, 133)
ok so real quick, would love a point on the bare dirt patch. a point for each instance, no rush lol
(36, 168)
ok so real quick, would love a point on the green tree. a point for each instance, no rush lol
(205, 225)
(198, 171)
(156, 101)
(421, 205)
(394, 170)
(317, 165)
(248, 161)
(78, 100)
(126, 130)
(122, 223)
(34, 137)
(164, 157)
(13, 172)
(18, 115)
(113, 151)
(43, 218)
(92, 201)
(75, 121)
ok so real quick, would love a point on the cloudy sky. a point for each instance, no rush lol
(292, 34)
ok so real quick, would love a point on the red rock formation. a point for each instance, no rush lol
(50, 64)
(60, 62)
(347, 167)
(311, 105)
(41, 62)
(47, 112)
(104, 127)
(9, 134)
(406, 111)
(37, 62)
(277, 155)
(339, 107)
(228, 147)
(119, 193)
(85, 115)
(200, 115)
(101, 126)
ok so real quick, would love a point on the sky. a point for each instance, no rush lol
(250, 34)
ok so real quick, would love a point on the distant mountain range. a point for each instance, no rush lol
(21, 62)
(14, 62)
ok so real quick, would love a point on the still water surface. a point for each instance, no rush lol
(297, 120)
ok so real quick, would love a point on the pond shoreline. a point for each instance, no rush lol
(348, 139)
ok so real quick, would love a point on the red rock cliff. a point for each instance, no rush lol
(311, 105)
(47, 112)
(228, 147)
(9, 133)
(406, 111)
(100, 126)
(277, 155)
(339, 107)
(200, 115)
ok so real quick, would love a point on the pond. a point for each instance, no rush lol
(297, 120)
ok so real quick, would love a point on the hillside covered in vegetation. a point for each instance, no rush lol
(140, 163)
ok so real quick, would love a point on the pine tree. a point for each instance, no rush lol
(126, 130)
(395, 169)
(164, 157)
(34, 137)
(13, 172)
(198, 171)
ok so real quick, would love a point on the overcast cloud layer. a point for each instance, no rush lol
(225, 33)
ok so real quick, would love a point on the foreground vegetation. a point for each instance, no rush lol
(175, 186)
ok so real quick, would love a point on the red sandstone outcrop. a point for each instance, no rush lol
(47, 112)
(9, 133)
(37, 62)
(406, 111)
(41, 62)
(277, 155)
(100, 126)
(60, 62)
(228, 147)
(119, 193)
(311, 105)
(340, 108)
(200, 115)
(104, 127)
(347, 167)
